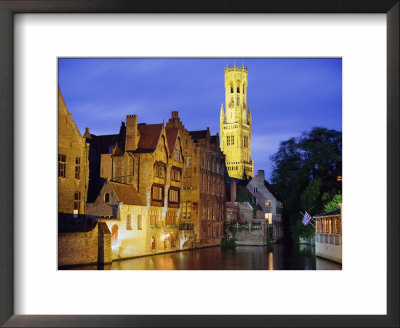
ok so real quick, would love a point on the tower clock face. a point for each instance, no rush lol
(231, 104)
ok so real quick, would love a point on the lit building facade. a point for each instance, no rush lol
(328, 235)
(211, 184)
(269, 202)
(235, 124)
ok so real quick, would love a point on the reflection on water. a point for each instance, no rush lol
(277, 257)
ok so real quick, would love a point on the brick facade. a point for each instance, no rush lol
(73, 170)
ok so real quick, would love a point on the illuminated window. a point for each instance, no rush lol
(177, 154)
(139, 222)
(268, 217)
(106, 197)
(114, 234)
(245, 142)
(62, 161)
(155, 217)
(337, 226)
(77, 203)
(187, 210)
(188, 161)
(268, 203)
(153, 243)
(173, 196)
(171, 218)
(157, 193)
(77, 168)
(159, 171)
(129, 222)
(175, 175)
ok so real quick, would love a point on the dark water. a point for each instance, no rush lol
(277, 257)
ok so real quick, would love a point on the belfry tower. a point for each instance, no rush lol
(235, 124)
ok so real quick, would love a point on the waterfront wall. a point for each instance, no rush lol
(251, 237)
(79, 248)
(329, 251)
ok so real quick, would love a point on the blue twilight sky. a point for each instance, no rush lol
(286, 96)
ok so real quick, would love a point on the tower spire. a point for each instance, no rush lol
(235, 124)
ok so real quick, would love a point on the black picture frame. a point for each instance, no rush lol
(10, 7)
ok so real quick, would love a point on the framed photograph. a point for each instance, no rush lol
(46, 43)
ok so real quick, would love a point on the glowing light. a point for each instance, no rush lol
(271, 261)
(268, 217)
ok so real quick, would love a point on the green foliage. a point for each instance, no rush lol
(309, 197)
(243, 196)
(304, 176)
(333, 204)
(228, 243)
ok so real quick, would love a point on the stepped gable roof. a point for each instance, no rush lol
(62, 107)
(200, 134)
(149, 136)
(94, 189)
(334, 212)
(271, 190)
(172, 133)
(126, 193)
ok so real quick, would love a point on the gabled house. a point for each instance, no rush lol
(120, 207)
(81, 238)
(269, 202)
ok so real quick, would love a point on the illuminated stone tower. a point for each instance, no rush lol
(235, 124)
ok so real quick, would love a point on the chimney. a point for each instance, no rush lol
(87, 134)
(233, 190)
(132, 134)
(261, 175)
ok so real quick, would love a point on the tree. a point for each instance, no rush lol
(333, 204)
(304, 170)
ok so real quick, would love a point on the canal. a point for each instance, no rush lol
(277, 257)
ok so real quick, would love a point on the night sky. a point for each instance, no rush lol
(286, 96)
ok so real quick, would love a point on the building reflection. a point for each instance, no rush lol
(277, 257)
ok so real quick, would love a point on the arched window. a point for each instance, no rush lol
(231, 88)
(238, 89)
(129, 222)
(106, 197)
(153, 243)
(114, 234)
(139, 222)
